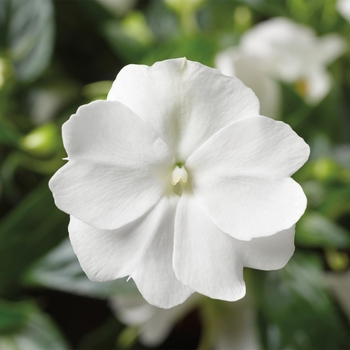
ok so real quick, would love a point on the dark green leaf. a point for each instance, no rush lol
(198, 48)
(29, 231)
(315, 230)
(60, 270)
(13, 315)
(295, 309)
(8, 133)
(37, 332)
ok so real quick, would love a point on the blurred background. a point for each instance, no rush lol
(58, 55)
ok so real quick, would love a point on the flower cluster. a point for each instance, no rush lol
(177, 182)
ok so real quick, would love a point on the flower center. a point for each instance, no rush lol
(301, 87)
(179, 175)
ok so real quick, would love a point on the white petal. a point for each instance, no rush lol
(116, 169)
(240, 177)
(318, 84)
(211, 262)
(142, 249)
(257, 146)
(132, 310)
(184, 102)
(247, 208)
(205, 258)
(160, 325)
(225, 61)
(330, 47)
(276, 38)
(268, 253)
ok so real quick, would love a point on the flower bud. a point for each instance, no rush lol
(42, 141)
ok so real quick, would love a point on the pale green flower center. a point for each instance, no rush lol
(179, 175)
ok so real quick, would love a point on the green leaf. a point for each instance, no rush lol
(315, 230)
(122, 43)
(29, 231)
(37, 332)
(27, 29)
(295, 309)
(198, 48)
(60, 270)
(13, 315)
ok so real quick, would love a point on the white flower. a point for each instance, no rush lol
(343, 7)
(154, 324)
(233, 204)
(292, 53)
(232, 326)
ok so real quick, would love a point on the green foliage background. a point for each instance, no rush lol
(58, 55)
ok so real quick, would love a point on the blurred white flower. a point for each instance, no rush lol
(177, 182)
(343, 7)
(154, 324)
(233, 326)
(290, 52)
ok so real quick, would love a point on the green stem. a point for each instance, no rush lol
(208, 326)
(188, 22)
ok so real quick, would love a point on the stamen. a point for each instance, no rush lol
(301, 87)
(179, 175)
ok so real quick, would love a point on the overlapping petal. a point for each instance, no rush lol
(117, 166)
(241, 177)
(204, 256)
(184, 102)
(268, 253)
(141, 249)
(257, 146)
(211, 262)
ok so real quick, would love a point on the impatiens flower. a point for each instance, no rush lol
(288, 52)
(177, 182)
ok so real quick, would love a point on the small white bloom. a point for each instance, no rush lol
(233, 327)
(234, 205)
(290, 52)
(154, 324)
